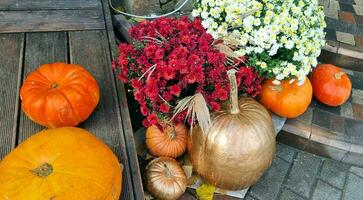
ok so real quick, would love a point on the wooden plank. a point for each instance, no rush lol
(40, 48)
(128, 132)
(90, 49)
(50, 20)
(48, 5)
(11, 54)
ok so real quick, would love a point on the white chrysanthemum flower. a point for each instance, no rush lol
(264, 27)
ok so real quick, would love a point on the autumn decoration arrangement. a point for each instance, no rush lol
(63, 162)
(207, 88)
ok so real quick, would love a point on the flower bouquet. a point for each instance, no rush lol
(282, 38)
(170, 59)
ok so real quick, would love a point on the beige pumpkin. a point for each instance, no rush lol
(238, 147)
(166, 179)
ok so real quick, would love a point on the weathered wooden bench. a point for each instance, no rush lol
(74, 31)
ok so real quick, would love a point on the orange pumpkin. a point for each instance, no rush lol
(62, 163)
(169, 142)
(331, 85)
(286, 99)
(59, 94)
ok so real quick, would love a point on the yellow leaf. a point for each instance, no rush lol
(205, 192)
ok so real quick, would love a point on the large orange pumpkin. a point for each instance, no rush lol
(59, 94)
(286, 99)
(169, 142)
(61, 164)
(331, 85)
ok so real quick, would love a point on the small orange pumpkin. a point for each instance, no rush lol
(169, 142)
(331, 85)
(59, 94)
(61, 163)
(286, 99)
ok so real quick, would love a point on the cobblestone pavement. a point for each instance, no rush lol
(344, 20)
(297, 175)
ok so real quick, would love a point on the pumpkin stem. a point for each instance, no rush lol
(54, 85)
(234, 91)
(338, 75)
(170, 130)
(168, 173)
(43, 170)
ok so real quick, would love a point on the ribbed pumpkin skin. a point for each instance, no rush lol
(331, 85)
(237, 148)
(84, 168)
(170, 142)
(59, 94)
(286, 100)
(165, 179)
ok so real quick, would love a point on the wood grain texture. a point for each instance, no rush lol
(50, 20)
(48, 5)
(91, 50)
(40, 48)
(11, 53)
(127, 127)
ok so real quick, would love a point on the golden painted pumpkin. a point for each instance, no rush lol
(166, 179)
(61, 164)
(169, 142)
(59, 94)
(238, 146)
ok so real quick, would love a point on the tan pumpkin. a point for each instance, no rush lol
(239, 145)
(166, 179)
(61, 164)
(169, 142)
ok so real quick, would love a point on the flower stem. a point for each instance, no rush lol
(234, 91)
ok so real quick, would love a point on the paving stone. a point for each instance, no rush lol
(334, 173)
(345, 38)
(359, 19)
(286, 194)
(357, 80)
(224, 197)
(357, 96)
(187, 196)
(344, 27)
(307, 116)
(332, 10)
(321, 118)
(353, 190)
(358, 111)
(347, 17)
(346, 7)
(248, 197)
(284, 152)
(354, 129)
(357, 171)
(330, 34)
(337, 124)
(324, 191)
(299, 182)
(270, 183)
(315, 103)
(358, 40)
(347, 1)
(346, 110)
(358, 9)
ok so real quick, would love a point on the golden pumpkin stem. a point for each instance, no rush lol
(168, 173)
(43, 170)
(276, 88)
(338, 75)
(54, 85)
(170, 130)
(234, 91)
